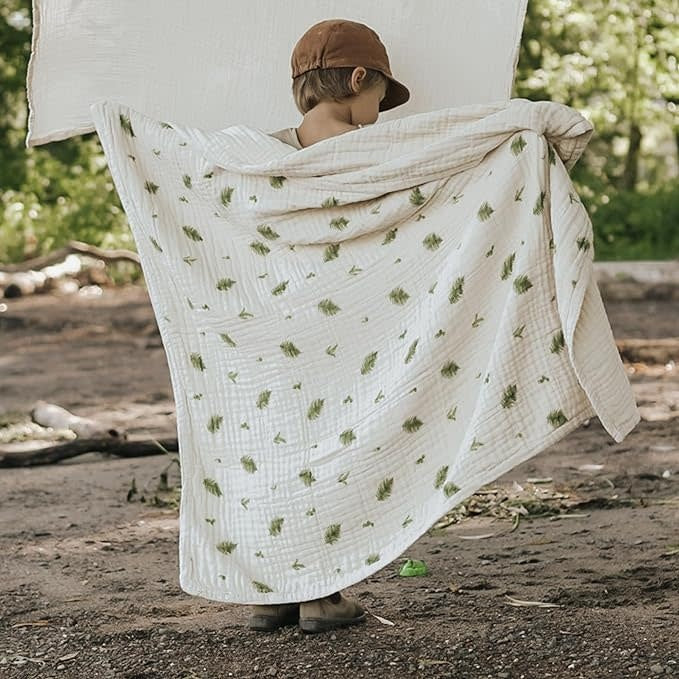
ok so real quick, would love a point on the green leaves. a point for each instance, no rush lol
(583, 244)
(126, 124)
(197, 361)
(248, 464)
(507, 266)
(275, 526)
(328, 307)
(260, 248)
(556, 418)
(267, 232)
(398, 295)
(522, 283)
(212, 487)
(518, 144)
(331, 252)
(432, 241)
(214, 423)
(539, 204)
(411, 351)
(315, 408)
(224, 283)
(456, 290)
(339, 223)
(485, 211)
(347, 437)
(263, 399)
(332, 533)
(226, 339)
(558, 342)
(307, 477)
(280, 288)
(187, 181)
(289, 349)
(384, 489)
(369, 363)
(412, 424)
(191, 233)
(276, 182)
(441, 476)
(449, 368)
(225, 196)
(390, 235)
(150, 186)
(226, 547)
(330, 202)
(450, 489)
(261, 587)
(509, 396)
(372, 558)
(416, 197)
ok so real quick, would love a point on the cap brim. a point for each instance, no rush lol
(397, 94)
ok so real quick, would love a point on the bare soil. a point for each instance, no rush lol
(89, 583)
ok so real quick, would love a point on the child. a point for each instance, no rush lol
(341, 81)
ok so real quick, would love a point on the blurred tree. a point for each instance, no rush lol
(616, 62)
(613, 60)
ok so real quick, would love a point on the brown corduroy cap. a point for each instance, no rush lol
(340, 42)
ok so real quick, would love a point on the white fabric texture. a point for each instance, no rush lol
(361, 333)
(219, 62)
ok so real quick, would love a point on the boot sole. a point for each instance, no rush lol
(265, 624)
(313, 625)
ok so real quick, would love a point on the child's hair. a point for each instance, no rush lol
(329, 83)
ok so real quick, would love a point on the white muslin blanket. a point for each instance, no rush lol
(361, 333)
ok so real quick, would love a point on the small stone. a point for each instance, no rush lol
(333, 637)
(657, 669)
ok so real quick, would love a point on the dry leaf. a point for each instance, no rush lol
(477, 537)
(539, 604)
(384, 621)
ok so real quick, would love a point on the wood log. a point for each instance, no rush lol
(652, 351)
(42, 274)
(63, 451)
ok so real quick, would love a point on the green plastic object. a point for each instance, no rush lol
(413, 567)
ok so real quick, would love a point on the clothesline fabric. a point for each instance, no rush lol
(168, 59)
(362, 333)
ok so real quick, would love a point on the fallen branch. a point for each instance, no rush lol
(72, 246)
(58, 268)
(64, 451)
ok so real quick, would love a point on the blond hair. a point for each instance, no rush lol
(309, 88)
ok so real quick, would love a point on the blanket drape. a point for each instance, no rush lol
(361, 333)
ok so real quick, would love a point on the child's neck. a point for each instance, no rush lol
(322, 122)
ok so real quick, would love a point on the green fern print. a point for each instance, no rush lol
(212, 487)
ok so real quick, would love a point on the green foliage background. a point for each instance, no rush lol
(614, 61)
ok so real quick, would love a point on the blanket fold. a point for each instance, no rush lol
(361, 333)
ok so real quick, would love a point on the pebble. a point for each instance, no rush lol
(657, 669)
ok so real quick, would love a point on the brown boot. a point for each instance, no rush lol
(320, 615)
(268, 617)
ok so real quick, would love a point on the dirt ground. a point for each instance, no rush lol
(89, 585)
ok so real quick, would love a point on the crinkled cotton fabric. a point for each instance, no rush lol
(361, 333)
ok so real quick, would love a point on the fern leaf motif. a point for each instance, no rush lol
(212, 487)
